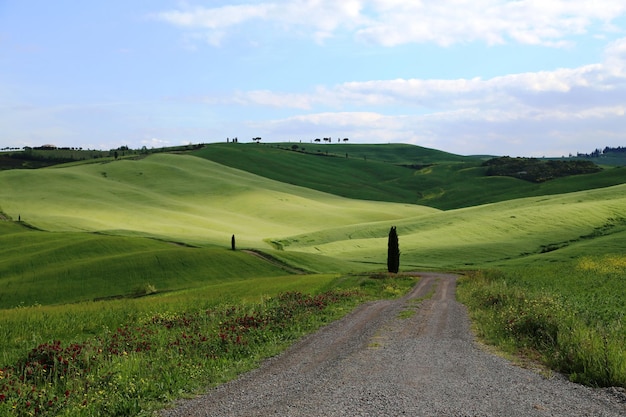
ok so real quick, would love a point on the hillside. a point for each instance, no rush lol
(525, 230)
(112, 228)
(179, 198)
(398, 173)
(38, 267)
(190, 200)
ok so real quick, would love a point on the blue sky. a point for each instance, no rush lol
(519, 78)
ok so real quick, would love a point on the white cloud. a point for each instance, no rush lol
(396, 22)
(155, 143)
(216, 18)
(568, 88)
(615, 61)
(561, 111)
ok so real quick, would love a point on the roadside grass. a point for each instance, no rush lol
(570, 314)
(130, 358)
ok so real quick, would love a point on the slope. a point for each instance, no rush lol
(398, 173)
(39, 267)
(495, 234)
(181, 198)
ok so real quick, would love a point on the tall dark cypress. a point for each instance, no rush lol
(393, 251)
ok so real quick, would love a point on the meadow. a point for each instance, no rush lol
(394, 172)
(105, 252)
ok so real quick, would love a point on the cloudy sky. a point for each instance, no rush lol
(519, 78)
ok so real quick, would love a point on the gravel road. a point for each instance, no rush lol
(374, 362)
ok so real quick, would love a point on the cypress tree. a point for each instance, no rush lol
(393, 251)
(232, 242)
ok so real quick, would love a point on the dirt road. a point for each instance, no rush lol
(413, 357)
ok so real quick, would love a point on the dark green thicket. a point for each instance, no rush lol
(537, 170)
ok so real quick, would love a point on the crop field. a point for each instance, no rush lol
(122, 251)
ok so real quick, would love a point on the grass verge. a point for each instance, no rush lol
(573, 324)
(159, 354)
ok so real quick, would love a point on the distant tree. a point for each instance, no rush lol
(393, 251)
(345, 139)
(232, 242)
(115, 154)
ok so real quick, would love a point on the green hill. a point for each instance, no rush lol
(179, 198)
(511, 232)
(90, 247)
(398, 173)
(110, 228)
(113, 228)
(38, 267)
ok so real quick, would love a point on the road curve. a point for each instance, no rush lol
(378, 362)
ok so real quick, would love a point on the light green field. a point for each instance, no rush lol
(482, 236)
(94, 221)
(180, 198)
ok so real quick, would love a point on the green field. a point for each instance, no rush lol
(88, 248)
(398, 173)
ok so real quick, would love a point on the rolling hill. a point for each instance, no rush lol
(125, 265)
(166, 220)
(397, 173)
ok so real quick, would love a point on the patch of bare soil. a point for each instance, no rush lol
(382, 360)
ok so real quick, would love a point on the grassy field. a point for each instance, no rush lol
(129, 358)
(87, 249)
(483, 236)
(568, 315)
(179, 198)
(57, 268)
(398, 173)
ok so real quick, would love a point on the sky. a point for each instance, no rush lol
(499, 77)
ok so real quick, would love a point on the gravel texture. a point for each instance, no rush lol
(374, 362)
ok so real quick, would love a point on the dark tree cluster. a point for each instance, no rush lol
(537, 170)
(603, 152)
(330, 140)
